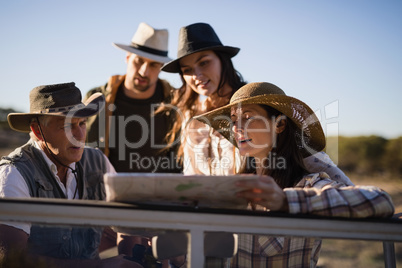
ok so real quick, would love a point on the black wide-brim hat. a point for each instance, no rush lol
(195, 38)
(56, 100)
(310, 135)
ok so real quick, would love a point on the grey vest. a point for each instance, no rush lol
(57, 242)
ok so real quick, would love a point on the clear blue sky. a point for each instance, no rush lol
(343, 58)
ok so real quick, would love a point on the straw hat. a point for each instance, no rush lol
(149, 43)
(195, 38)
(311, 137)
(56, 100)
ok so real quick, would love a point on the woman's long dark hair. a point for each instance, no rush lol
(286, 151)
(185, 99)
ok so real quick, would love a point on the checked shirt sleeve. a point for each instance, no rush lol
(319, 195)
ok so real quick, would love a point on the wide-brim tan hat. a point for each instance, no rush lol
(310, 136)
(56, 100)
(149, 43)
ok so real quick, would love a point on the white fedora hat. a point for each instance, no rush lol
(149, 43)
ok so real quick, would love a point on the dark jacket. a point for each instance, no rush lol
(99, 126)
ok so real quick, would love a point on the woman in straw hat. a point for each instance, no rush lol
(278, 131)
(209, 80)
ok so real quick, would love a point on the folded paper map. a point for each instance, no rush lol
(174, 189)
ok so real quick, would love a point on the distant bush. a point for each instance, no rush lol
(392, 159)
(368, 155)
(8, 137)
(4, 113)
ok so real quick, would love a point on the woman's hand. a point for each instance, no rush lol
(263, 191)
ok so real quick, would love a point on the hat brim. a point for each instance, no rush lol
(311, 134)
(141, 53)
(21, 121)
(174, 66)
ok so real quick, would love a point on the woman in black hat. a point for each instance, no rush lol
(209, 80)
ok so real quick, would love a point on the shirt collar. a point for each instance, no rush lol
(49, 162)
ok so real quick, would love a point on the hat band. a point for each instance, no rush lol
(61, 109)
(150, 50)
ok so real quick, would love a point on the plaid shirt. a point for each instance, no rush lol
(319, 195)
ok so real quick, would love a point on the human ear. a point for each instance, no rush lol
(280, 124)
(128, 56)
(35, 130)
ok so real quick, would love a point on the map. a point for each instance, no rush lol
(175, 189)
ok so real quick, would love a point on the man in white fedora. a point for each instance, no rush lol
(128, 131)
(125, 131)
